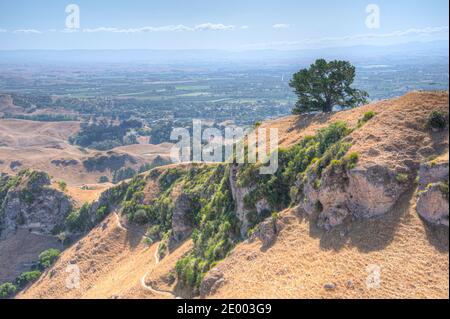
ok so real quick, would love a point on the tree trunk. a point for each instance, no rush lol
(328, 107)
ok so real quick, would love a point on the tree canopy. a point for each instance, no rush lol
(324, 85)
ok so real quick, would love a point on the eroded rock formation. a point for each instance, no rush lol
(432, 199)
(30, 203)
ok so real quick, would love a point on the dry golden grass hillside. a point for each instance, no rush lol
(41, 145)
(304, 261)
(112, 261)
(412, 258)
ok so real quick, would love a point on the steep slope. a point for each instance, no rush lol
(305, 261)
(345, 195)
(113, 260)
(21, 250)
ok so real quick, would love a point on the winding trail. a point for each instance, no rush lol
(148, 287)
(119, 224)
(144, 285)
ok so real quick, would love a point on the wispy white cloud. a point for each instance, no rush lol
(99, 29)
(281, 26)
(69, 30)
(213, 27)
(403, 33)
(245, 27)
(168, 28)
(27, 31)
(208, 26)
(3, 30)
(428, 31)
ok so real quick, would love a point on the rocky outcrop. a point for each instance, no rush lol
(30, 203)
(432, 172)
(182, 218)
(432, 199)
(211, 283)
(238, 194)
(261, 206)
(432, 204)
(362, 192)
(15, 164)
(266, 232)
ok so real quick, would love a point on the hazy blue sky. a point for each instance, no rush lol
(218, 24)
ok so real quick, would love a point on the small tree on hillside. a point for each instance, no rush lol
(324, 85)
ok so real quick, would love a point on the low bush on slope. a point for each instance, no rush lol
(437, 120)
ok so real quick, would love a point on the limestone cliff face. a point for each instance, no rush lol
(432, 199)
(30, 203)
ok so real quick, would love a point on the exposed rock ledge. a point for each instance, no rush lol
(362, 192)
(32, 204)
(432, 199)
(211, 283)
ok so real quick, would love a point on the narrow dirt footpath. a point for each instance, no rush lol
(144, 285)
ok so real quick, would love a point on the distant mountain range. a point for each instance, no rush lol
(399, 53)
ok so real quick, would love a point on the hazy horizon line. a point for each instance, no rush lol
(446, 41)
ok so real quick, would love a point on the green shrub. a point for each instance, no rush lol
(148, 241)
(402, 178)
(251, 231)
(7, 290)
(294, 191)
(351, 160)
(443, 186)
(162, 248)
(48, 257)
(123, 174)
(251, 198)
(331, 135)
(103, 179)
(171, 277)
(366, 118)
(62, 185)
(318, 207)
(101, 212)
(27, 277)
(437, 120)
(80, 220)
(275, 216)
(140, 217)
(168, 178)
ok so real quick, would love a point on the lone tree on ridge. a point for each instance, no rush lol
(324, 85)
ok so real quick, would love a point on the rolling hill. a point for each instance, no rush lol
(344, 224)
